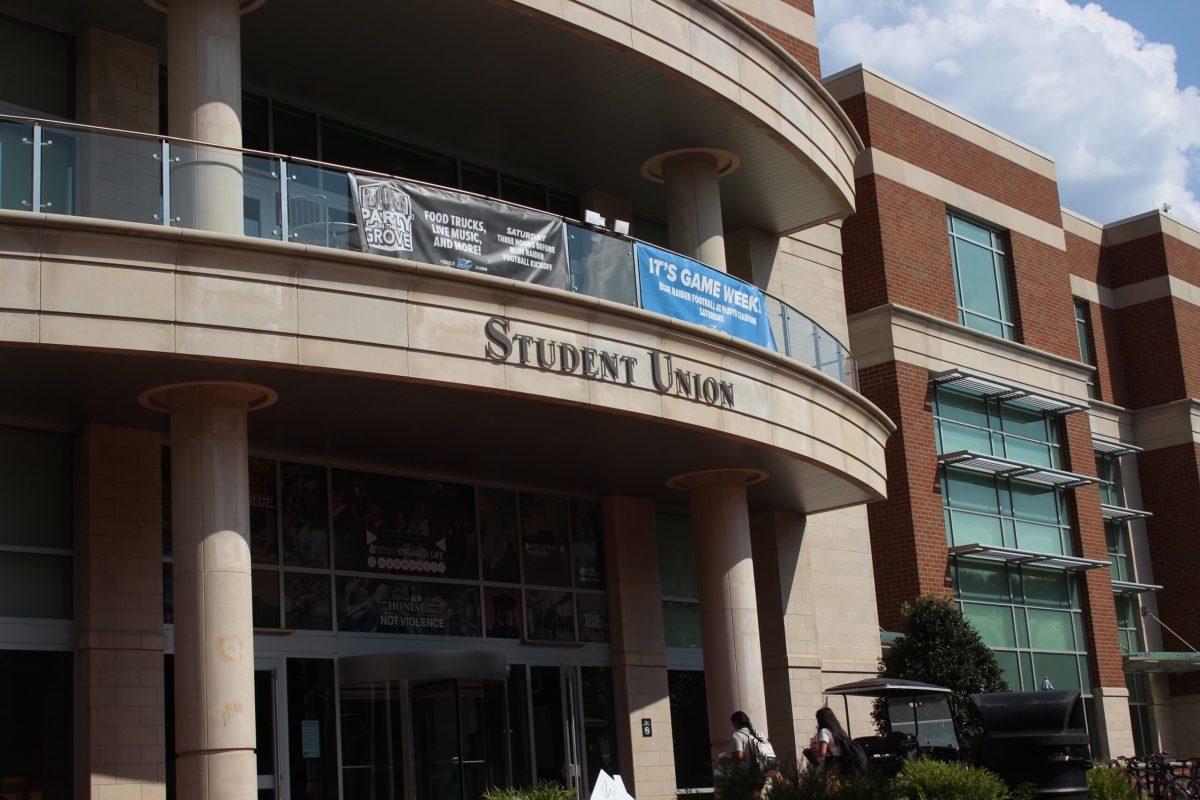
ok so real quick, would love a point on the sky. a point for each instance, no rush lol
(1109, 89)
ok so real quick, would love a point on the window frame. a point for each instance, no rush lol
(1002, 282)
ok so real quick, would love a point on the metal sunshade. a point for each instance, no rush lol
(1011, 555)
(1007, 468)
(996, 389)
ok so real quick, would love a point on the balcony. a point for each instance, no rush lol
(77, 170)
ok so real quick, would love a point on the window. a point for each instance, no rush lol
(371, 552)
(1129, 623)
(35, 724)
(1031, 618)
(677, 574)
(36, 532)
(985, 509)
(980, 277)
(689, 729)
(1087, 350)
(37, 69)
(1139, 711)
(1108, 469)
(1119, 558)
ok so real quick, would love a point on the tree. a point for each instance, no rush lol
(940, 646)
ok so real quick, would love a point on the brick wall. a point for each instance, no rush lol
(1169, 478)
(1099, 610)
(804, 52)
(908, 533)
(119, 613)
(1149, 350)
(1042, 300)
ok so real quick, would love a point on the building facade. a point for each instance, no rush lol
(294, 506)
(1036, 364)
(455, 394)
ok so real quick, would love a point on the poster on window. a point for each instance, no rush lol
(592, 613)
(264, 512)
(305, 515)
(587, 545)
(411, 607)
(499, 536)
(404, 526)
(502, 611)
(545, 547)
(551, 616)
(454, 229)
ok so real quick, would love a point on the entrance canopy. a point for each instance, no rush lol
(1163, 662)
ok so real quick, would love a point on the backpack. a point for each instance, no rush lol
(854, 758)
(763, 752)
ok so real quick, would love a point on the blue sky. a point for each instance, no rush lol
(1110, 89)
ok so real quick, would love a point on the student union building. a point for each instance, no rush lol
(406, 398)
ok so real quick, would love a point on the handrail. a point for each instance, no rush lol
(798, 336)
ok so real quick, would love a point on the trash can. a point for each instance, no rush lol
(1038, 738)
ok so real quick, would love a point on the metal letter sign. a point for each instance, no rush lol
(688, 290)
(646, 730)
(454, 229)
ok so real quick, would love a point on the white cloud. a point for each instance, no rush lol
(1072, 81)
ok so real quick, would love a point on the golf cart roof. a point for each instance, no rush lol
(886, 687)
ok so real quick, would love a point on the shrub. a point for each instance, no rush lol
(737, 782)
(1110, 783)
(545, 790)
(940, 646)
(924, 779)
(821, 785)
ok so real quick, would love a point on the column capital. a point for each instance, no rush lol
(655, 168)
(717, 477)
(248, 396)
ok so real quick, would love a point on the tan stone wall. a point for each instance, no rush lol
(639, 652)
(119, 612)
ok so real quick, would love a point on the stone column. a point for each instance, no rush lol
(204, 103)
(119, 601)
(694, 200)
(214, 636)
(733, 668)
(639, 649)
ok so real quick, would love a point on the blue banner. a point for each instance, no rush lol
(679, 287)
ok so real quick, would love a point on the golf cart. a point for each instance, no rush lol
(919, 715)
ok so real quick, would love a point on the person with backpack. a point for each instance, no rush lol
(752, 751)
(832, 747)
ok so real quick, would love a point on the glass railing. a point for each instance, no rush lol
(80, 170)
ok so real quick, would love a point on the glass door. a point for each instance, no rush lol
(458, 729)
(268, 708)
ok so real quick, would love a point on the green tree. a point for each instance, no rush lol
(940, 646)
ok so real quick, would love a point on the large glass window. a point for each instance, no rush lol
(36, 533)
(371, 552)
(37, 69)
(1129, 623)
(1112, 489)
(1119, 559)
(970, 422)
(1031, 618)
(1087, 348)
(1144, 741)
(677, 575)
(980, 277)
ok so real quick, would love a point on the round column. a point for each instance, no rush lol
(733, 673)
(204, 103)
(694, 200)
(214, 634)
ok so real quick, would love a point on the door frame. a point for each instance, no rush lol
(277, 667)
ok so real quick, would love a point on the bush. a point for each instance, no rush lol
(1111, 783)
(822, 785)
(940, 646)
(737, 782)
(924, 779)
(545, 790)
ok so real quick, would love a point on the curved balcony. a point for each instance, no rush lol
(79, 170)
(109, 287)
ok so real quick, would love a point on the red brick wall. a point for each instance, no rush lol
(1084, 259)
(1153, 370)
(1169, 479)
(807, 54)
(1149, 257)
(1044, 306)
(908, 534)
(912, 139)
(1099, 610)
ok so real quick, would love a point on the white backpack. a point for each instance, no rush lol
(763, 752)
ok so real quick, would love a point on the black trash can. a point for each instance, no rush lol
(1038, 738)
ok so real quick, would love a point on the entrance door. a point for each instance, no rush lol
(269, 710)
(554, 701)
(458, 739)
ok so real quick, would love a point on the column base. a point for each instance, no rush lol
(221, 775)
